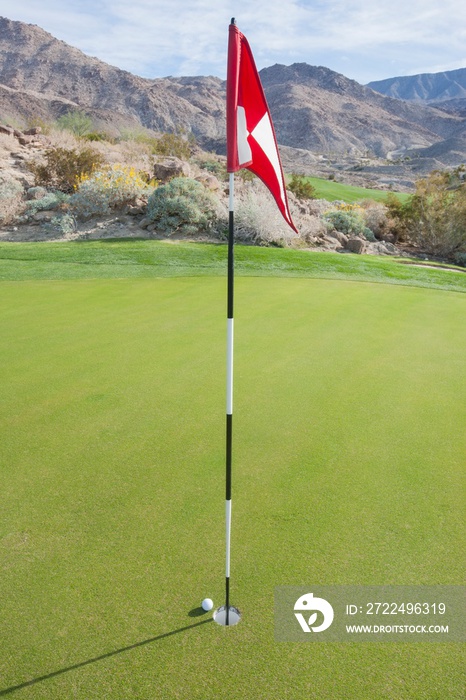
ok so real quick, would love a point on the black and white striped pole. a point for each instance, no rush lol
(228, 615)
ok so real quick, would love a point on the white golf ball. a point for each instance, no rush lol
(207, 604)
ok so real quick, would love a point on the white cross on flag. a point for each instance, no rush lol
(251, 141)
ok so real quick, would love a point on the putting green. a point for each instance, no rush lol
(349, 445)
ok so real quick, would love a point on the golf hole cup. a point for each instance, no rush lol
(220, 616)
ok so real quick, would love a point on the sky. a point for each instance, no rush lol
(363, 39)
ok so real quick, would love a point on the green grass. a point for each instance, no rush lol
(348, 457)
(142, 259)
(331, 190)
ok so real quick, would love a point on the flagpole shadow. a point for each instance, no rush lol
(74, 667)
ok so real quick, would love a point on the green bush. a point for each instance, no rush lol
(63, 167)
(216, 167)
(106, 189)
(77, 122)
(368, 234)
(348, 220)
(460, 259)
(52, 200)
(301, 187)
(97, 136)
(66, 223)
(182, 205)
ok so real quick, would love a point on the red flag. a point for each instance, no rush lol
(251, 141)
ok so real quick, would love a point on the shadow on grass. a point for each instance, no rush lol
(197, 612)
(54, 674)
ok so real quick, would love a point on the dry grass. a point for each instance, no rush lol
(130, 153)
(11, 199)
(257, 218)
(7, 143)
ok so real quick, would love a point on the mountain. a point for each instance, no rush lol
(426, 87)
(317, 109)
(313, 108)
(446, 90)
(35, 64)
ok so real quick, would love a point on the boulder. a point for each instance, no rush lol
(329, 242)
(341, 237)
(34, 131)
(171, 167)
(7, 130)
(355, 245)
(25, 140)
(145, 222)
(44, 216)
(383, 248)
(209, 181)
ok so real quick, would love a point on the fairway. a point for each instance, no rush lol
(349, 449)
(332, 190)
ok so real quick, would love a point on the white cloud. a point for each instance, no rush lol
(366, 41)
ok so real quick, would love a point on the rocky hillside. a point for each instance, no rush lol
(314, 109)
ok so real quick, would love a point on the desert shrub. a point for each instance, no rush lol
(216, 167)
(11, 200)
(130, 153)
(434, 217)
(368, 235)
(172, 145)
(63, 167)
(52, 200)
(106, 189)
(8, 143)
(346, 218)
(97, 136)
(301, 187)
(375, 216)
(182, 205)
(460, 258)
(257, 219)
(245, 175)
(168, 144)
(79, 123)
(64, 224)
(398, 217)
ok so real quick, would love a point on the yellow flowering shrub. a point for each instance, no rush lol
(108, 188)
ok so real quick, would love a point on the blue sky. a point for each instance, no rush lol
(363, 39)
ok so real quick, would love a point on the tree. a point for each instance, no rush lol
(301, 187)
(77, 122)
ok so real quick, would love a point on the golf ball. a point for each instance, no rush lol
(207, 604)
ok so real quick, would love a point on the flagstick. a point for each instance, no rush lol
(229, 423)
